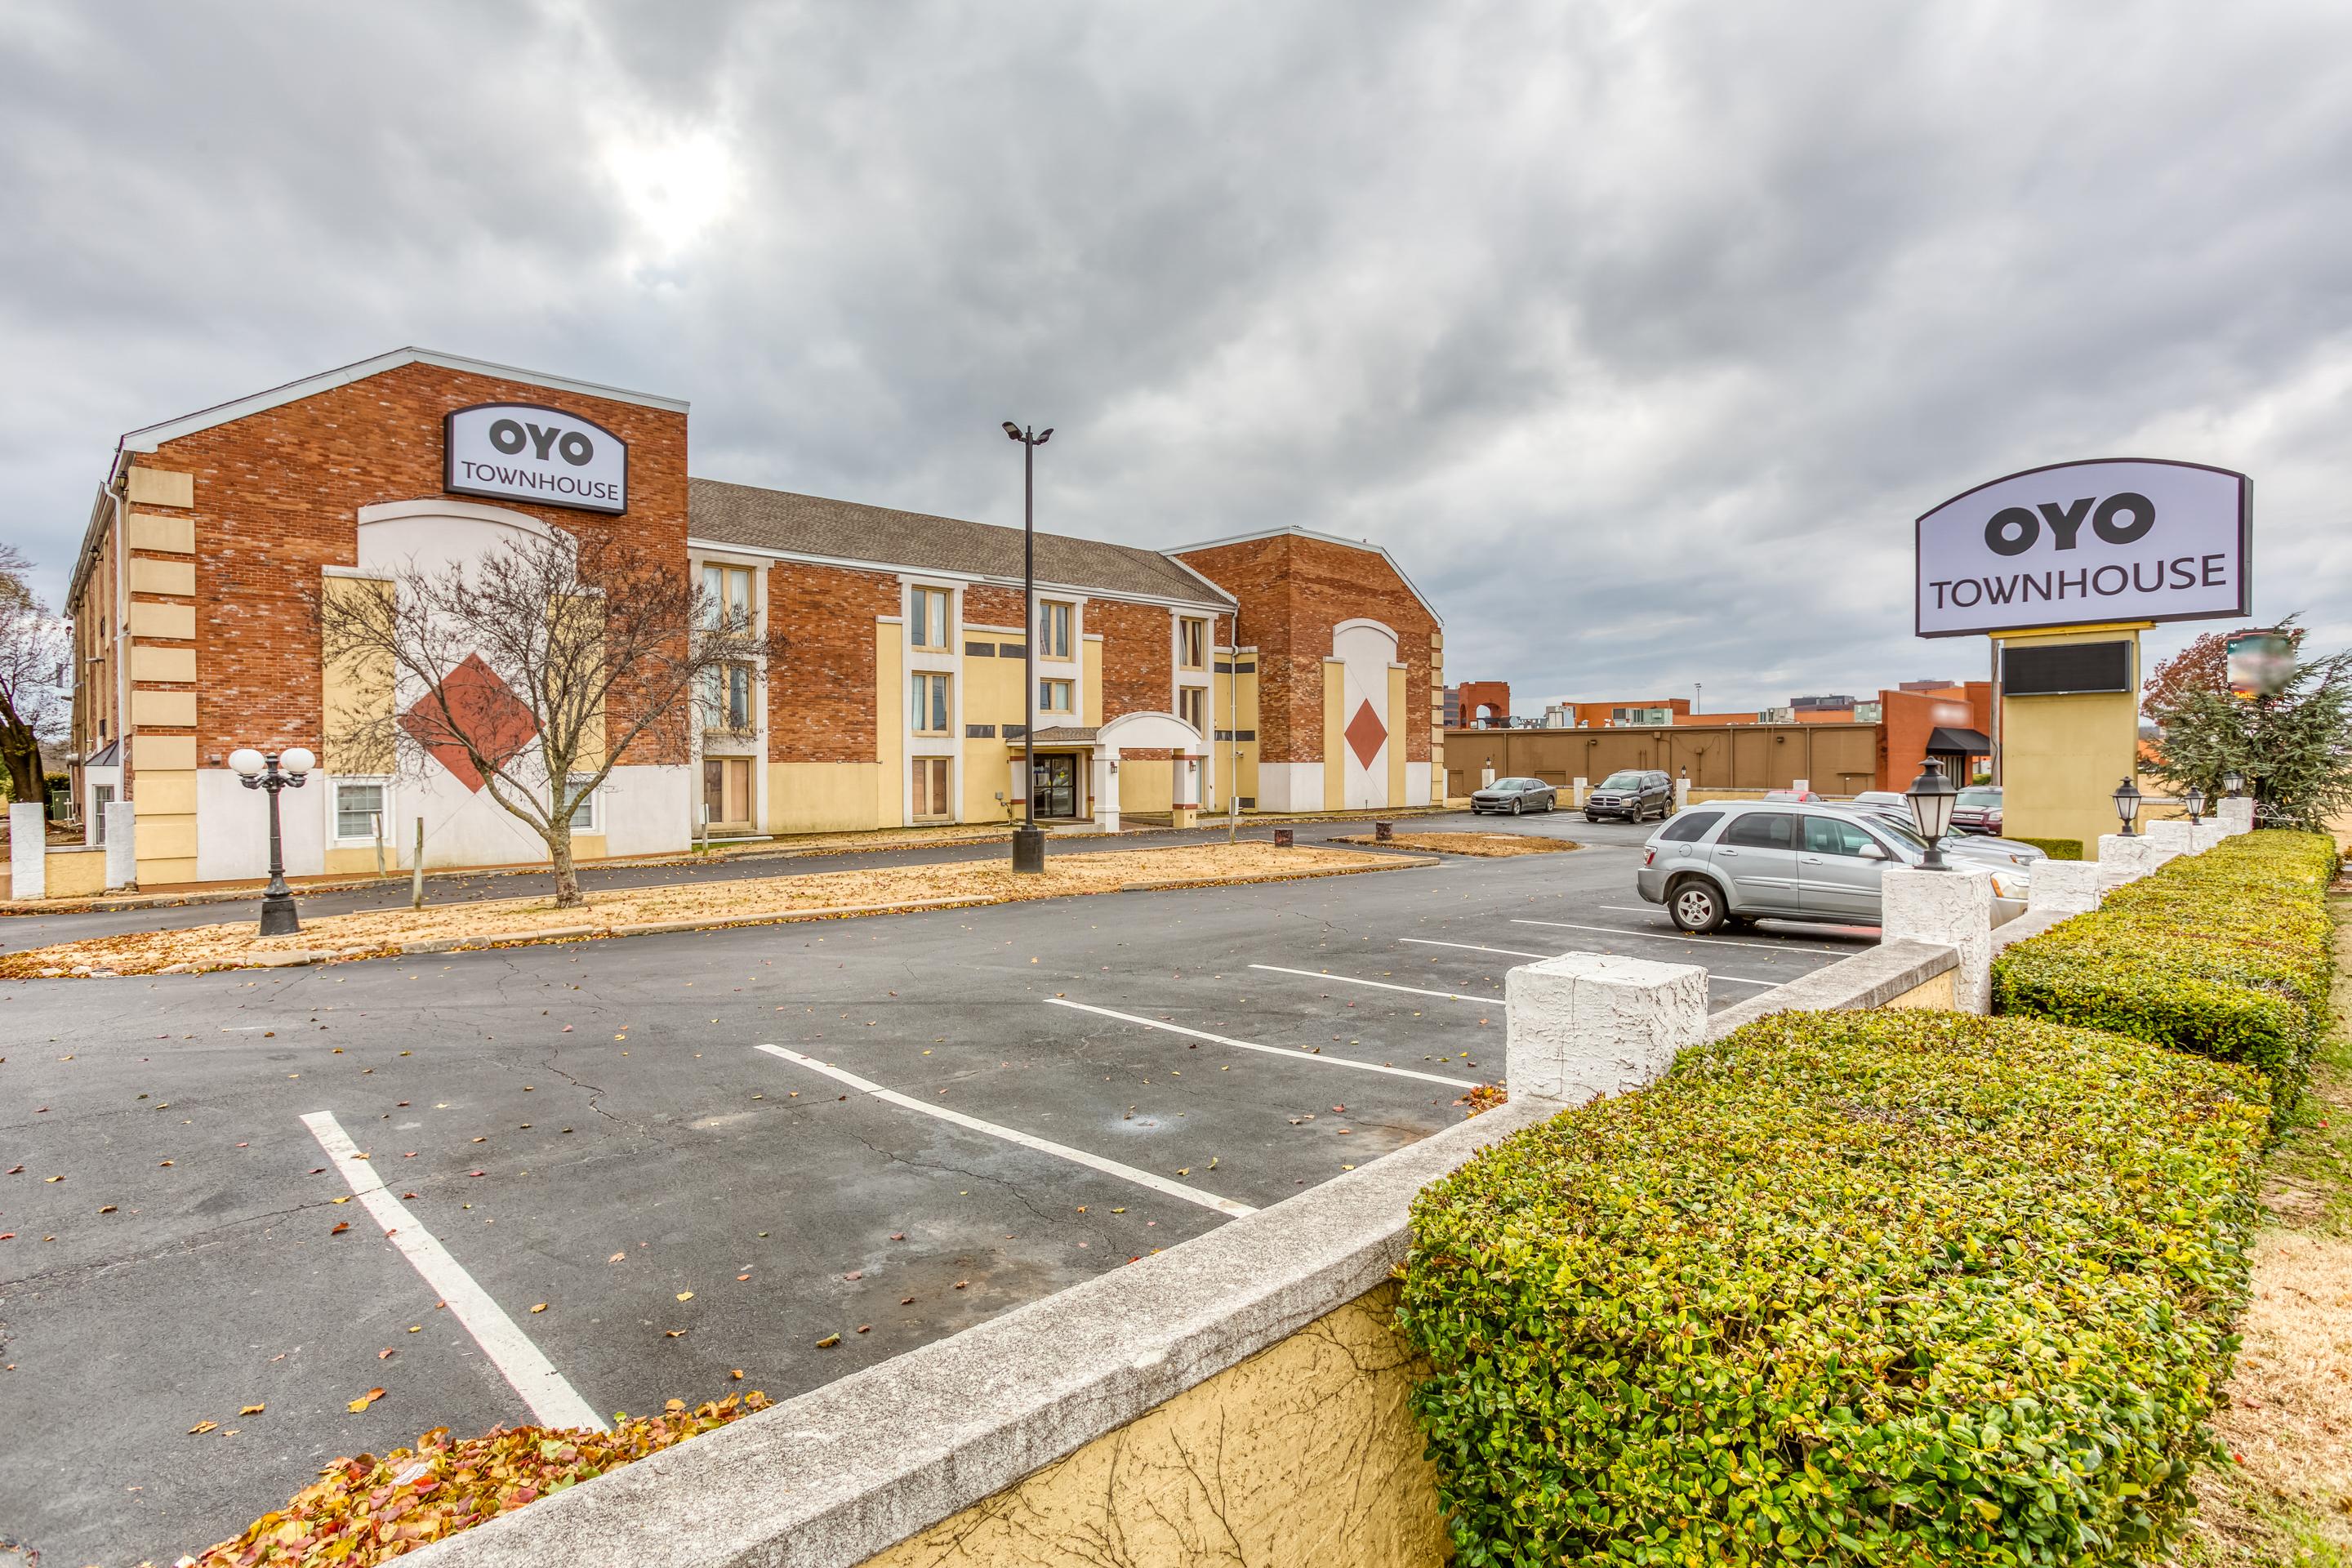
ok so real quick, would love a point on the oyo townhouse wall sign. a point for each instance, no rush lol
(2116, 538)
(524, 451)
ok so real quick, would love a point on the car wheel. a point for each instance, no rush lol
(1696, 906)
(1516, 806)
(1551, 803)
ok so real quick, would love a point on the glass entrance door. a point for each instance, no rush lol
(1054, 785)
(727, 790)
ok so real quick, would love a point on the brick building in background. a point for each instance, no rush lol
(1284, 670)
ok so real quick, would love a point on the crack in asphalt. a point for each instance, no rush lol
(894, 1156)
(179, 1244)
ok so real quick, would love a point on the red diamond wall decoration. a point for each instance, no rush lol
(1366, 734)
(480, 708)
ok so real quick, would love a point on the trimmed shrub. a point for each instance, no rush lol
(1903, 1287)
(2228, 954)
(2056, 849)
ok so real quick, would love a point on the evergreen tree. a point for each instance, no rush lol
(2294, 749)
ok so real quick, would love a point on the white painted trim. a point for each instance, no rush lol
(529, 1374)
(1379, 550)
(437, 506)
(1381, 626)
(356, 573)
(1224, 605)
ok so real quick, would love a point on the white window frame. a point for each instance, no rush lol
(1185, 625)
(382, 784)
(591, 807)
(1069, 693)
(1066, 653)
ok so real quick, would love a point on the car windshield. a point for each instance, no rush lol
(1621, 781)
(1979, 797)
(1521, 785)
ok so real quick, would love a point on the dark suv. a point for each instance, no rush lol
(1631, 796)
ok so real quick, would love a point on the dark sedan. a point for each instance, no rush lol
(1515, 796)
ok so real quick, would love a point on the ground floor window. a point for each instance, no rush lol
(359, 810)
(727, 790)
(1054, 785)
(584, 814)
(930, 788)
(100, 797)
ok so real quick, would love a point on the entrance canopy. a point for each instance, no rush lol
(1959, 742)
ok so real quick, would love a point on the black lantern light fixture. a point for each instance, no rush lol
(2232, 782)
(2127, 799)
(1029, 840)
(2195, 801)
(273, 772)
(1932, 797)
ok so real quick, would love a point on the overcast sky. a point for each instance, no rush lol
(1638, 333)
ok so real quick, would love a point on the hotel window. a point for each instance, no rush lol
(359, 808)
(930, 787)
(727, 597)
(1054, 619)
(1193, 645)
(930, 709)
(1191, 706)
(727, 698)
(583, 815)
(930, 607)
(1054, 696)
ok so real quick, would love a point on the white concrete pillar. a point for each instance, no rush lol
(29, 850)
(121, 846)
(1578, 789)
(1106, 790)
(1587, 1023)
(1487, 776)
(2170, 840)
(2208, 834)
(2123, 859)
(2235, 814)
(1188, 782)
(1950, 908)
(2066, 887)
(1682, 792)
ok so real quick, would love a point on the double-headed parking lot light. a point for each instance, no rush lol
(272, 771)
(2127, 799)
(2195, 801)
(1932, 797)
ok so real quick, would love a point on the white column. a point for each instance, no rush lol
(1580, 789)
(121, 846)
(2235, 812)
(2123, 859)
(29, 850)
(1585, 1024)
(1106, 790)
(2066, 887)
(1486, 775)
(1682, 793)
(1951, 908)
(2170, 840)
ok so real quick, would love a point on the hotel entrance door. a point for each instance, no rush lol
(1054, 785)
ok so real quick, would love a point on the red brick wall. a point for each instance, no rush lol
(1138, 670)
(987, 606)
(821, 693)
(1293, 591)
(278, 495)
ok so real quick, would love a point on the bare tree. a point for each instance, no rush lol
(35, 676)
(535, 669)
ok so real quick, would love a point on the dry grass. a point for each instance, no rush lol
(229, 946)
(2288, 1497)
(1486, 843)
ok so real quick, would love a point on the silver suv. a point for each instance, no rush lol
(1743, 860)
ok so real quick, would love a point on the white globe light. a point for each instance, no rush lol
(247, 761)
(296, 761)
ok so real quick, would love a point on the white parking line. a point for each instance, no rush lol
(1515, 952)
(1013, 1135)
(1269, 1050)
(1379, 984)
(1677, 936)
(552, 1399)
(1652, 909)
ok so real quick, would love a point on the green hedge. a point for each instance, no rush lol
(1904, 1287)
(2056, 849)
(2228, 953)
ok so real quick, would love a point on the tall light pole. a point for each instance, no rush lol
(1028, 840)
(273, 772)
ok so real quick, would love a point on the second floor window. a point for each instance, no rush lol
(1054, 696)
(1192, 706)
(727, 696)
(1193, 644)
(1054, 619)
(931, 616)
(931, 705)
(727, 597)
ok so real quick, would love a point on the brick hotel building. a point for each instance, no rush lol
(1287, 669)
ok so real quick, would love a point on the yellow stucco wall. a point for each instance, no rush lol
(1147, 785)
(1335, 763)
(992, 695)
(355, 694)
(1935, 993)
(889, 723)
(1226, 693)
(1093, 666)
(74, 873)
(1398, 721)
(823, 797)
(2062, 757)
(164, 793)
(1304, 1454)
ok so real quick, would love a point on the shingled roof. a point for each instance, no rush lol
(759, 519)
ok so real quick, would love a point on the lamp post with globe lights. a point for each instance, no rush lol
(273, 772)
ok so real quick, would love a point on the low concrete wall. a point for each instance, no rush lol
(75, 872)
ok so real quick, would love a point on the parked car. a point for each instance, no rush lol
(1802, 796)
(1978, 810)
(1966, 846)
(1514, 796)
(1747, 860)
(1631, 795)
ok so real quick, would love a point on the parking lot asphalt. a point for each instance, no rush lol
(617, 1173)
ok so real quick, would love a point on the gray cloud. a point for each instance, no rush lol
(1639, 335)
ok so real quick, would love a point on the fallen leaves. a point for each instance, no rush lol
(364, 1400)
(827, 1343)
(252, 1409)
(203, 1427)
(686, 1295)
(340, 1226)
(538, 1307)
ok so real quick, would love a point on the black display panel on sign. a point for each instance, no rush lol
(2063, 669)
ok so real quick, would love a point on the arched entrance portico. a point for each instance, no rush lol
(1148, 732)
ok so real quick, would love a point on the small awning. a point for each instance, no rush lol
(1058, 735)
(1960, 744)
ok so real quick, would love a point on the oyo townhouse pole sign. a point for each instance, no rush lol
(2116, 538)
(523, 451)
